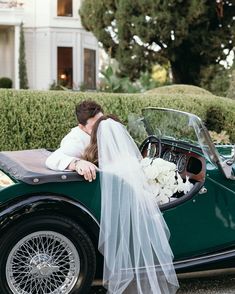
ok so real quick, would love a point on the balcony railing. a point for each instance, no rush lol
(4, 4)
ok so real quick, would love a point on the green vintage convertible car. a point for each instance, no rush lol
(49, 220)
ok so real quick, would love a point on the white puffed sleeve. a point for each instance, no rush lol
(72, 146)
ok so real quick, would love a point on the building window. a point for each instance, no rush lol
(65, 66)
(65, 8)
(90, 68)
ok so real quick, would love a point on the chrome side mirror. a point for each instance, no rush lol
(227, 166)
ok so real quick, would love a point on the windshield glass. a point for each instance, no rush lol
(174, 125)
(169, 125)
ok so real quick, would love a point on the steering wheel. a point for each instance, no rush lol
(151, 147)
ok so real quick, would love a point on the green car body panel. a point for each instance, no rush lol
(87, 194)
(203, 224)
(206, 222)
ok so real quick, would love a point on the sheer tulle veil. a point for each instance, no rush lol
(133, 234)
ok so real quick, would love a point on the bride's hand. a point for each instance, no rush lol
(86, 169)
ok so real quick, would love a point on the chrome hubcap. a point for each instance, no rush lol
(43, 262)
(42, 265)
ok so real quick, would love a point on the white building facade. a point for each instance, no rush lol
(57, 47)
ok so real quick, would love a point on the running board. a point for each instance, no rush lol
(185, 264)
(193, 263)
(198, 274)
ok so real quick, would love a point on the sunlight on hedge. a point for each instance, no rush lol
(38, 119)
(179, 89)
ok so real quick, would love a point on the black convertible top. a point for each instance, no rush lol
(29, 166)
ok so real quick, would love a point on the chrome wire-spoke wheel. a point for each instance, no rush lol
(43, 262)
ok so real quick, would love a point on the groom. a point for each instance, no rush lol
(72, 146)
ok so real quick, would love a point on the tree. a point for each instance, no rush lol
(216, 79)
(191, 35)
(22, 62)
(231, 89)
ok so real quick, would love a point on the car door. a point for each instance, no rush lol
(205, 223)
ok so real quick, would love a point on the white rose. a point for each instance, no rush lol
(187, 185)
(151, 172)
(145, 162)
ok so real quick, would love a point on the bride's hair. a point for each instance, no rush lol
(91, 152)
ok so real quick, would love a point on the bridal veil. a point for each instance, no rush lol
(133, 234)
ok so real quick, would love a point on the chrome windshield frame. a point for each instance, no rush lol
(209, 150)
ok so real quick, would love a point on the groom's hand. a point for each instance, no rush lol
(86, 169)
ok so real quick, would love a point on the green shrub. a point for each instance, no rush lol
(111, 82)
(56, 87)
(5, 83)
(38, 119)
(179, 89)
(215, 119)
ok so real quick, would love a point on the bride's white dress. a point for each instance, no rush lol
(133, 234)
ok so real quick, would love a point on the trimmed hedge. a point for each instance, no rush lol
(5, 83)
(179, 89)
(38, 119)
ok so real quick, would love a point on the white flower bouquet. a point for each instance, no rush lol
(164, 179)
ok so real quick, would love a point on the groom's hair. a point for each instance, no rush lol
(87, 109)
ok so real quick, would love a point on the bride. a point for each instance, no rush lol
(133, 234)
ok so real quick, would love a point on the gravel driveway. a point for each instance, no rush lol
(218, 285)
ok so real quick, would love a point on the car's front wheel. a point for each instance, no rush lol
(46, 255)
